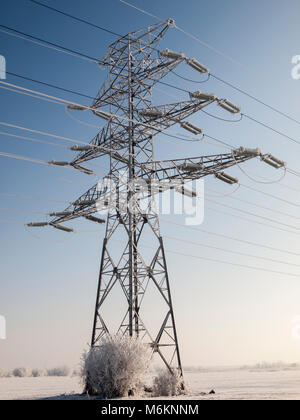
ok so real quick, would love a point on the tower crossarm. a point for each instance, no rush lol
(198, 167)
(148, 122)
(158, 118)
(176, 171)
(87, 204)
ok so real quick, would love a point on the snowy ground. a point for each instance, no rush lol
(229, 384)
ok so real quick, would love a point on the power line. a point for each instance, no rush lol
(32, 160)
(253, 221)
(50, 85)
(76, 18)
(228, 263)
(230, 251)
(259, 206)
(163, 83)
(2, 133)
(203, 43)
(22, 211)
(202, 258)
(63, 101)
(28, 159)
(232, 238)
(67, 102)
(43, 133)
(60, 101)
(140, 10)
(271, 128)
(270, 195)
(90, 97)
(251, 214)
(29, 197)
(222, 119)
(53, 45)
(293, 172)
(190, 80)
(226, 56)
(272, 108)
(180, 240)
(24, 158)
(14, 222)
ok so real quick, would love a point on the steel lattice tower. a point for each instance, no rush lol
(125, 101)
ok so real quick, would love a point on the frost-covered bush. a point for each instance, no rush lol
(21, 372)
(59, 371)
(37, 373)
(5, 374)
(168, 385)
(116, 368)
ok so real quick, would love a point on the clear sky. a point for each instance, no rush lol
(225, 314)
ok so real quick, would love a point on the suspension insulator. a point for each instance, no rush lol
(184, 191)
(191, 128)
(273, 161)
(56, 163)
(152, 113)
(82, 169)
(95, 219)
(61, 214)
(222, 176)
(75, 107)
(172, 54)
(191, 166)
(41, 224)
(203, 96)
(245, 151)
(192, 62)
(105, 115)
(63, 228)
(86, 148)
(229, 106)
(85, 203)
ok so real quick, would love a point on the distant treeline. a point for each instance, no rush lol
(257, 367)
(23, 372)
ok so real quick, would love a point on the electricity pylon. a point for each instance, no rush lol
(125, 102)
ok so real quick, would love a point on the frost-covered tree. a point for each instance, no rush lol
(37, 373)
(59, 371)
(21, 372)
(116, 368)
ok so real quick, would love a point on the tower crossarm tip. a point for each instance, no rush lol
(92, 201)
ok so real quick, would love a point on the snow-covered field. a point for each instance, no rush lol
(229, 384)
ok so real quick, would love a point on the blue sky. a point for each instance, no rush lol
(225, 315)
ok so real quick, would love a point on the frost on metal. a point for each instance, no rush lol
(116, 368)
